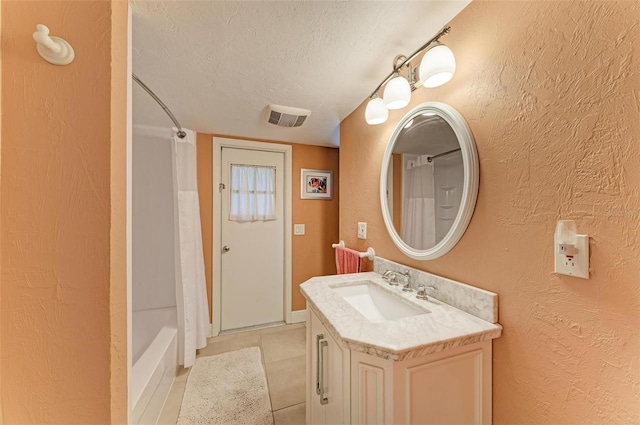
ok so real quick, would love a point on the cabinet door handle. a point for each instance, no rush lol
(323, 400)
(318, 339)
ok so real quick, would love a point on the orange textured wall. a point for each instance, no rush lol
(1, 416)
(118, 308)
(551, 92)
(63, 263)
(312, 253)
(204, 157)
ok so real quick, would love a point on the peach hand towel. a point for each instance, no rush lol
(347, 260)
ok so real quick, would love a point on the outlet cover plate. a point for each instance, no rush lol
(298, 229)
(576, 265)
(362, 230)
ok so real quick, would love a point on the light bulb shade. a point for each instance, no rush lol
(397, 93)
(376, 112)
(437, 66)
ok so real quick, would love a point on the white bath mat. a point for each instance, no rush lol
(229, 389)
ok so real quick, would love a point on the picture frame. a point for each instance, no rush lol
(316, 184)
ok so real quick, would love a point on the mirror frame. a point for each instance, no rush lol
(471, 181)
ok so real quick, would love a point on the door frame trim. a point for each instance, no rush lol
(218, 144)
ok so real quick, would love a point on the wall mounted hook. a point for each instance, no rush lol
(54, 50)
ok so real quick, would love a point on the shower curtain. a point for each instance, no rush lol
(191, 292)
(418, 212)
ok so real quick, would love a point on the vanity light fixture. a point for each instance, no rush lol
(397, 92)
(376, 112)
(436, 68)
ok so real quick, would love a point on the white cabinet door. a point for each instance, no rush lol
(337, 388)
(372, 390)
(449, 387)
(315, 332)
(328, 377)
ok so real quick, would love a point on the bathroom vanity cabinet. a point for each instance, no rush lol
(378, 355)
(452, 386)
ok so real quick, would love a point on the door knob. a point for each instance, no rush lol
(226, 248)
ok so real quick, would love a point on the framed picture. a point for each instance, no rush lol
(316, 184)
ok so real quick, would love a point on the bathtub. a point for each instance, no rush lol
(155, 362)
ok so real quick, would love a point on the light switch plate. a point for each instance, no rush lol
(298, 229)
(362, 230)
(576, 265)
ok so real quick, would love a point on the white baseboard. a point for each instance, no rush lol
(298, 316)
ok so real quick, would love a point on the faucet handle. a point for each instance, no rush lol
(422, 292)
(391, 277)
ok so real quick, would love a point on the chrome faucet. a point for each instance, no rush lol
(407, 281)
(391, 277)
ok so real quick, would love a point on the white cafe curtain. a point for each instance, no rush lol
(253, 193)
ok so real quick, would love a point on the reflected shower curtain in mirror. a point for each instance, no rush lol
(418, 209)
(191, 292)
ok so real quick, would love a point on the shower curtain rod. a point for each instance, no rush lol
(431, 158)
(181, 134)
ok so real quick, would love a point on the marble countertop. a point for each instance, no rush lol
(409, 337)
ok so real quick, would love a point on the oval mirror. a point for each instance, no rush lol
(429, 181)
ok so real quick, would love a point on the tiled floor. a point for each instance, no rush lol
(283, 356)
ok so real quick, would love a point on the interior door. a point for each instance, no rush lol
(252, 258)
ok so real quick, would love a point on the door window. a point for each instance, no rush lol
(252, 192)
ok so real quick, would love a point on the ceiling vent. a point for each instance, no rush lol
(286, 116)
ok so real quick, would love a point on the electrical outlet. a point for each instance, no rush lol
(362, 230)
(569, 262)
(298, 229)
(576, 265)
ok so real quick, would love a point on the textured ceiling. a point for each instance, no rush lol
(218, 64)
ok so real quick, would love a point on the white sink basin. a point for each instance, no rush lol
(376, 304)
